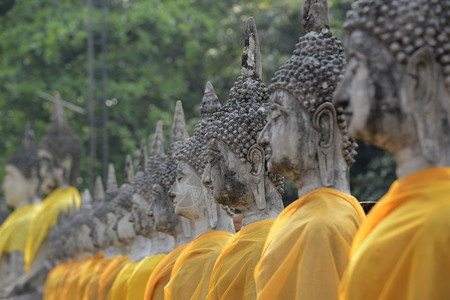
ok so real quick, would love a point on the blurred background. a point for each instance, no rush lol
(122, 64)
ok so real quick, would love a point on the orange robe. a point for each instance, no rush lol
(108, 276)
(232, 276)
(86, 276)
(52, 280)
(14, 231)
(306, 251)
(402, 251)
(135, 288)
(71, 281)
(56, 202)
(118, 289)
(161, 275)
(192, 270)
(91, 290)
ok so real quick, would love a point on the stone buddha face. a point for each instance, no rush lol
(370, 95)
(50, 172)
(18, 189)
(142, 223)
(289, 137)
(99, 233)
(161, 209)
(188, 192)
(111, 228)
(84, 238)
(228, 179)
(125, 229)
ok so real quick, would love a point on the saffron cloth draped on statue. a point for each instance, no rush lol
(60, 200)
(192, 270)
(306, 251)
(14, 231)
(161, 275)
(118, 289)
(232, 276)
(138, 280)
(402, 251)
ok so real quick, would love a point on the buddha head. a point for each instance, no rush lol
(143, 224)
(162, 176)
(191, 197)
(236, 168)
(103, 216)
(21, 182)
(82, 230)
(305, 140)
(395, 92)
(121, 205)
(59, 153)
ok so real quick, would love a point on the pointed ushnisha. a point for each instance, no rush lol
(251, 58)
(158, 141)
(111, 184)
(129, 170)
(238, 123)
(315, 15)
(179, 132)
(28, 136)
(210, 102)
(142, 157)
(99, 192)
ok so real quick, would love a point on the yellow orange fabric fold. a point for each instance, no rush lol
(118, 289)
(192, 270)
(232, 276)
(402, 250)
(60, 200)
(306, 250)
(110, 273)
(161, 275)
(14, 231)
(138, 279)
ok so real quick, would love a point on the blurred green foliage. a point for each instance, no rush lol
(158, 51)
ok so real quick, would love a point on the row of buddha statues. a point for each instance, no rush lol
(167, 232)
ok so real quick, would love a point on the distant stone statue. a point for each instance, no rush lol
(213, 223)
(191, 198)
(162, 177)
(161, 174)
(396, 95)
(59, 163)
(237, 175)
(21, 188)
(307, 142)
(142, 223)
(236, 172)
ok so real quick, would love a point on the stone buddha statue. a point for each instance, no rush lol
(21, 187)
(237, 175)
(142, 223)
(307, 142)
(236, 170)
(125, 236)
(104, 215)
(162, 176)
(192, 199)
(396, 95)
(59, 163)
(213, 225)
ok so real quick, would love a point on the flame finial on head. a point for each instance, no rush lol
(251, 58)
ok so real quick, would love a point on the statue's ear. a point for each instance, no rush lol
(422, 84)
(256, 157)
(324, 121)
